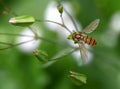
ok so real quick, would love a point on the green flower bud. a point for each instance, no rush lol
(60, 8)
(24, 20)
(78, 78)
(40, 55)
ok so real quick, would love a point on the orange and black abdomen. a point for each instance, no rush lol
(89, 40)
(82, 37)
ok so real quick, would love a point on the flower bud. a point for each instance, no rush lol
(40, 55)
(60, 8)
(78, 78)
(24, 20)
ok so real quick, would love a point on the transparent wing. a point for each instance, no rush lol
(83, 51)
(92, 26)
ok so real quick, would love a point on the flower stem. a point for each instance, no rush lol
(53, 60)
(14, 45)
(74, 23)
(62, 25)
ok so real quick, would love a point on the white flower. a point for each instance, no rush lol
(79, 59)
(30, 42)
(115, 22)
(109, 38)
(52, 14)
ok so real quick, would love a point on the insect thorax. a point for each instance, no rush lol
(80, 36)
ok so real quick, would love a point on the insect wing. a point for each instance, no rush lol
(83, 51)
(92, 26)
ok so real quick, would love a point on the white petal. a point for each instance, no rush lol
(29, 46)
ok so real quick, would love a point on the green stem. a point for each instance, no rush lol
(62, 25)
(74, 23)
(65, 54)
(38, 37)
(14, 45)
(62, 19)
(53, 42)
(5, 43)
(33, 31)
(12, 34)
(53, 60)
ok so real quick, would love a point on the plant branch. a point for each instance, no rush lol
(13, 34)
(14, 45)
(62, 25)
(74, 23)
(38, 37)
(53, 60)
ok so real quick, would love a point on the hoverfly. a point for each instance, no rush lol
(81, 38)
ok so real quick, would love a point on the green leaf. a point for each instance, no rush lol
(24, 20)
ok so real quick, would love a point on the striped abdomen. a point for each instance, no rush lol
(82, 37)
(89, 40)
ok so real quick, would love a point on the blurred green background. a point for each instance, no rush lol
(19, 70)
